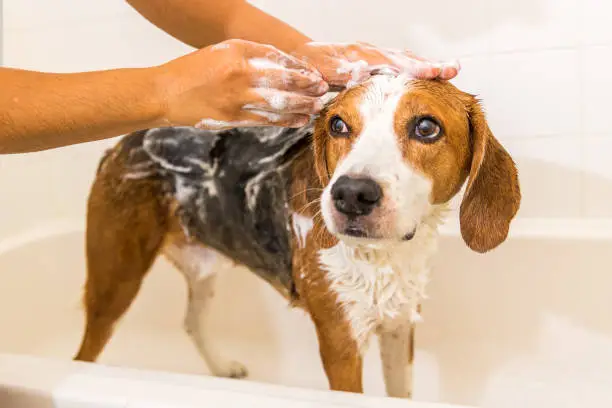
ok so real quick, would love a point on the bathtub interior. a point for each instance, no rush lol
(527, 322)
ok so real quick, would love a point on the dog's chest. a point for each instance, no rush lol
(379, 289)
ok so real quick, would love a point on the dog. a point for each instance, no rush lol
(339, 216)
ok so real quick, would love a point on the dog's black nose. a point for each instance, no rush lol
(355, 196)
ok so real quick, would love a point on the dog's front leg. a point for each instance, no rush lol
(340, 353)
(397, 355)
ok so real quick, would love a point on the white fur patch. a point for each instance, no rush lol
(302, 226)
(195, 261)
(381, 288)
(396, 356)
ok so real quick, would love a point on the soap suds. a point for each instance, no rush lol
(262, 64)
(271, 116)
(357, 70)
(301, 227)
(213, 124)
(275, 99)
(220, 46)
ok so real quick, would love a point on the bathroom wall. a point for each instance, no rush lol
(49, 188)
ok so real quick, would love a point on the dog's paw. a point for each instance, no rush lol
(233, 369)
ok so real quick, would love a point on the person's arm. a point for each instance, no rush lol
(41, 110)
(231, 84)
(201, 23)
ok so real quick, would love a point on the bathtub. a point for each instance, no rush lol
(529, 324)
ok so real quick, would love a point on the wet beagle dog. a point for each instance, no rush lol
(339, 216)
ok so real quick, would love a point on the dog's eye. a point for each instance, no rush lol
(338, 127)
(427, 130)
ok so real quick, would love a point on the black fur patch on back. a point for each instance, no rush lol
(231, 187)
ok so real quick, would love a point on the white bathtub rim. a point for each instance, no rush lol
(67, 382)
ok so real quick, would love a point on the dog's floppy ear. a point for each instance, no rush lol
(492, 196)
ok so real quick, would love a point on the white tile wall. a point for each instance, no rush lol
(597, 89)
(534, 25)
(65, 36)
(531, 94)
(551, 184)
(539, 66)
(595, 21)
(597, 176)
(37, 13)
(120, 40)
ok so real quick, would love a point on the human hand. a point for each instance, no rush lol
(344, 65)
(240, 83)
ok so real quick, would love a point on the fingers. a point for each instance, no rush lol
(265, 118)
(262, 53)
(432, 70)
(413, 56)
(286, 82)
(268, 61)
(348, 72)
(277, 77)
(275, 101)
(288, 61)
(256, 118)
(450, 70)
(423, 68)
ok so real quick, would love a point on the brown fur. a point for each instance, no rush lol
(339, 351)
(122, 242)
(493, 196)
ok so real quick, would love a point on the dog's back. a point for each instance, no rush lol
(228, 189)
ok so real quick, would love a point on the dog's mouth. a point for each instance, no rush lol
(359, 232)
(356, 231)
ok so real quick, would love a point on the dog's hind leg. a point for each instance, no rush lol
(126, 226)
(200, 265)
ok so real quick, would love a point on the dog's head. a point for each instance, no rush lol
(391, 149)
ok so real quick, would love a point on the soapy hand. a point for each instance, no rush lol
(240, 83)
(344, 65)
